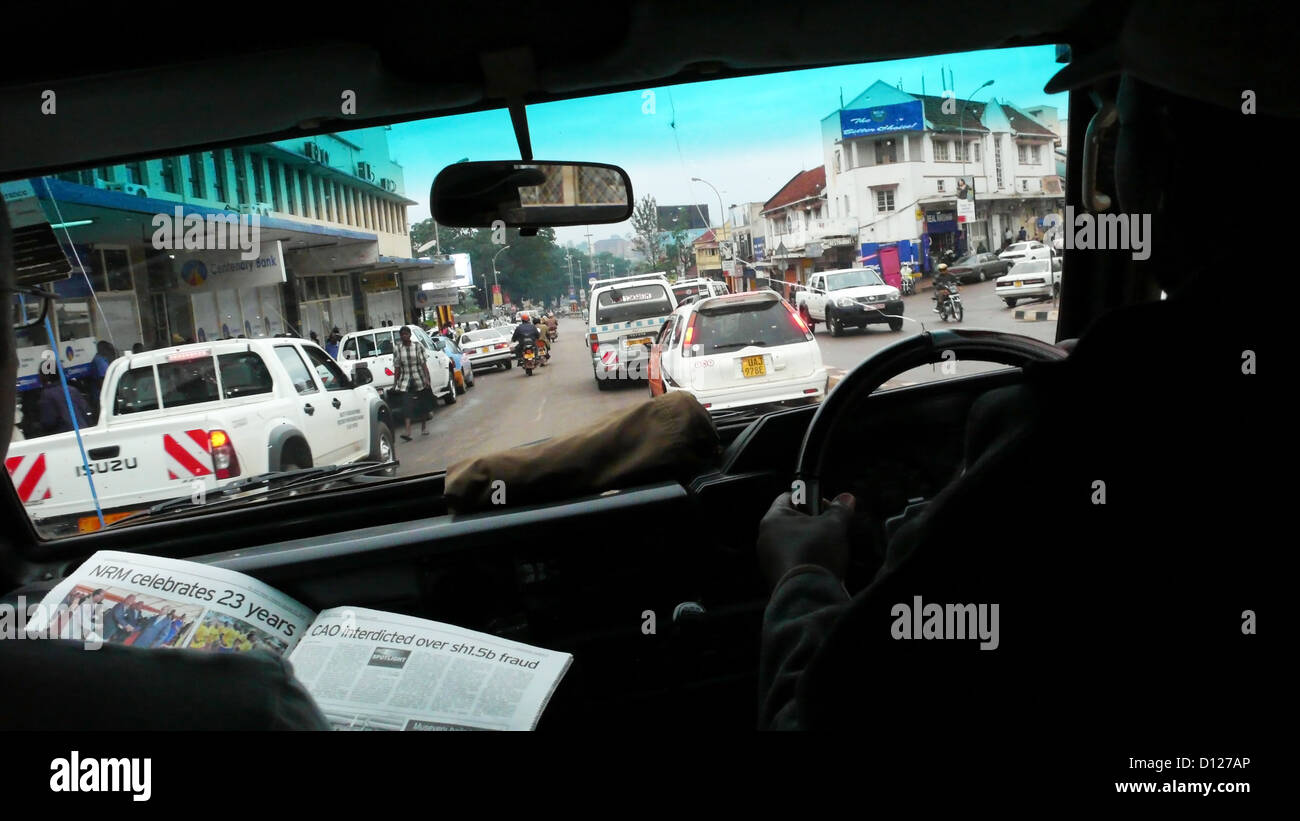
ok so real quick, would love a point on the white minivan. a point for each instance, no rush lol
(624, 317)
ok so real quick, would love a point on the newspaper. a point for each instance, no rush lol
(367, 670)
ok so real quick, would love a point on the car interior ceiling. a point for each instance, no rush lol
(547, 575)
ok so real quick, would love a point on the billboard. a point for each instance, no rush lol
(464, 273)
(205, 271)
(885, 119)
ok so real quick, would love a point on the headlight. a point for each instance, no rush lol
(893, 295)
(845, 302)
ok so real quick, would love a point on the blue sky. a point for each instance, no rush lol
(746, 136)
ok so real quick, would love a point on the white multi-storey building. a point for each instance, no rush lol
(896, 164)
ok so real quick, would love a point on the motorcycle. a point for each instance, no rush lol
(908, 284)
(528, 357)
(950, 303)
(551, 334)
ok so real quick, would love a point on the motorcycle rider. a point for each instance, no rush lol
(524, 331)
(943, 283)
(552, 325)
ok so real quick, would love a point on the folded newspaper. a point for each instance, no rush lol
(366, 669)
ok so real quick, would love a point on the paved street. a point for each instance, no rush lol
(506, 409)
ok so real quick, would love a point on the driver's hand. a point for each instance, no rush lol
(788, 538)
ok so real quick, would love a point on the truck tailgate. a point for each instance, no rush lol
(143, 464)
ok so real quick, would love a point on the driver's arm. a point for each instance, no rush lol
(805, 559)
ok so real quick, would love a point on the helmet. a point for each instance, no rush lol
(943, 266)
(523, 317)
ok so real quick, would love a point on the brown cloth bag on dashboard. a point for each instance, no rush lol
(670, 437)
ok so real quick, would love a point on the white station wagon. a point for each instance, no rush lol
(744, 351)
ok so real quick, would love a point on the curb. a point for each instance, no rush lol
(1036, 316)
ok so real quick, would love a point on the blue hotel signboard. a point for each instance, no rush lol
(885, 119)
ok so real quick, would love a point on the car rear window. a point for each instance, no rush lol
(479, 336)
(636, 302)
(136, 392)
(188, 382)
(243, 374)
(1033, 266)
(736, 326)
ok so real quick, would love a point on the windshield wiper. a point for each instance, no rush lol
(754, 342)
(274, 483)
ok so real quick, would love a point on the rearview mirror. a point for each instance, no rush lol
(531, 194)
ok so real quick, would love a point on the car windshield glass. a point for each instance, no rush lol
(853, 182)
(1032, 266)
(852, 279)
(733, 327)
(632, 303)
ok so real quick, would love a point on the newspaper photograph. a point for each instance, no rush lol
(381, 671)
(149, 601)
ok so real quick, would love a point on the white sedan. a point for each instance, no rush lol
(490, 346)
(738, 353)
(1035, 278)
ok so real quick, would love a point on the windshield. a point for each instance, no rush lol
(734, 327)
(1033, 266)
(328, 239)
(632, 303)
(852, 279)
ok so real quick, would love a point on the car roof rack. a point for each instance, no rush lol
(651, 275)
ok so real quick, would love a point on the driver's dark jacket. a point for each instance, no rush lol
(827, 659)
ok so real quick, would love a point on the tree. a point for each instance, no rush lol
(649, 240)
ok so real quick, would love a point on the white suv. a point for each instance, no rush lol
(374, 349)
(739, 351)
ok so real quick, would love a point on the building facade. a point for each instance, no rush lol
(326, 214)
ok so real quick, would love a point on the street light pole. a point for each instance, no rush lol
(722, 215)
(962, 146)
(496, 286)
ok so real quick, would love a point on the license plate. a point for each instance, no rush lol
(1018, 284)
(528, 354)
(646, 341)
(753, 366)
(483, 350)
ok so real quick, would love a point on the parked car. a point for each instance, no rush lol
(374, 348)
(850, 297)
(740, 351)
(464, 369)
(201, 415)
(979, 267)
(1018, 251)
(1029, 279)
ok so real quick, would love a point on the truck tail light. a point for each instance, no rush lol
(595, 346)
(223, 454)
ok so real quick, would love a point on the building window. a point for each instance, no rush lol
(941, 151)
(218, 160)
(1034, 156)
(1022, 152)
(837, 161)
(940, 188)
(886, 152)
(290, 189)
(135, 173)
(195, 164)
(976, 146)
(273, 176)
(997, 159)
(1024, 185)
(241, 176)
(169, 165)
(884, 199)
(259, 178)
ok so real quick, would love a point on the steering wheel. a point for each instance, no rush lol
(926, 348)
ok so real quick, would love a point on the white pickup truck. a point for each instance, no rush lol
(200, 416)
(849, 297)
